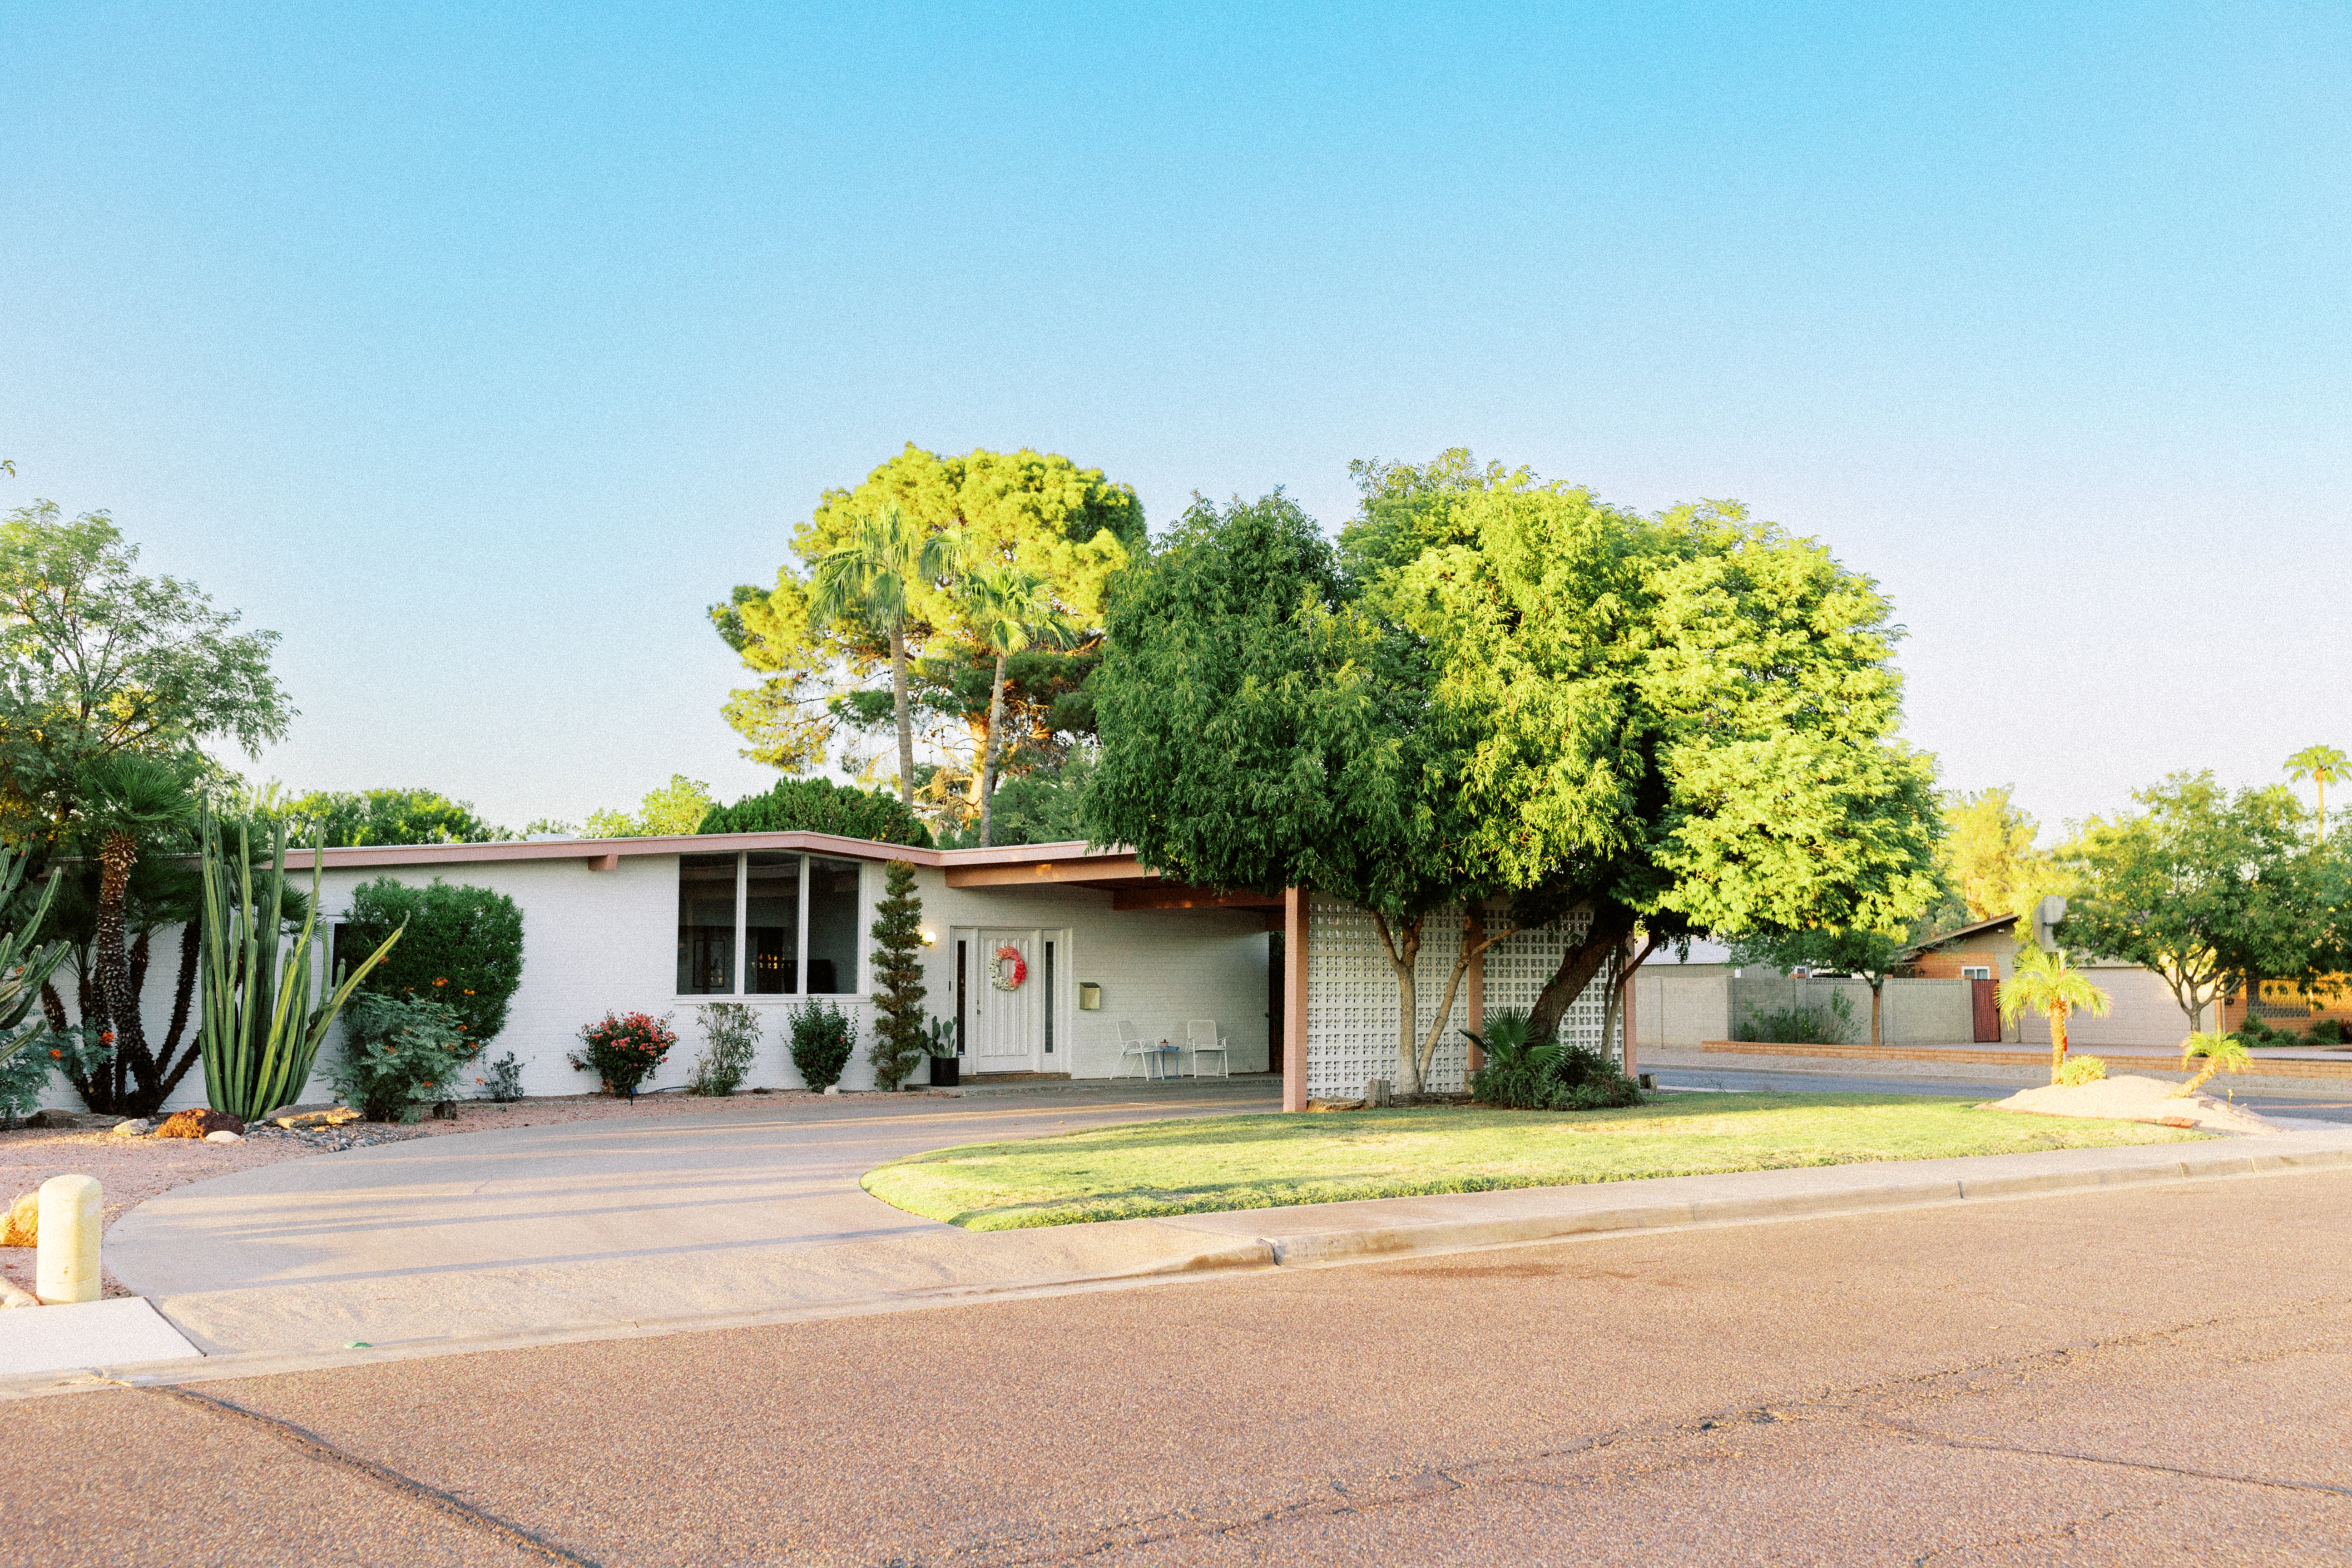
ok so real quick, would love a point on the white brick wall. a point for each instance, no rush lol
(606, 940)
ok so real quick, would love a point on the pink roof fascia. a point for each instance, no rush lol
(365, 855)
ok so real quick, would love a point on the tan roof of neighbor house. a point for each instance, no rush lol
(1998, 923)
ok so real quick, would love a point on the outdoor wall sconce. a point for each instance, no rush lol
(931, 939)
(1089, 996)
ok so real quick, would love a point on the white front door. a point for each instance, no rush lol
(1002, 1033)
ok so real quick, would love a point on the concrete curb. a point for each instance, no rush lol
(1551, 1213)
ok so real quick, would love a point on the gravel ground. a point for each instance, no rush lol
(133, 1170)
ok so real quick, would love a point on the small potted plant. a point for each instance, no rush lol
(947, 1067)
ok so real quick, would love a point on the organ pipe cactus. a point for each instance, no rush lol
(261, 1034)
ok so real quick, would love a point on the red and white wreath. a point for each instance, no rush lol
(1007, 969)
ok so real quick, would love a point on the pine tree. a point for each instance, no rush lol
(899, 1032)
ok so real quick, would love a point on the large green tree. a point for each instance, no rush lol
(2206, 887)
(1508, 688)
(1683, 722)
(342, 819)
(95, 659)
(1037, 512)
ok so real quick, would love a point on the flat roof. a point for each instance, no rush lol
(361, 856)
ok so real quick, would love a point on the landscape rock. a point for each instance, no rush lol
(10, 1296)
(201, 1123)
(138, 1126)
(332, 1116)
(2133, 1098)
(224, 1137)
(53, 1119)
(23, 1226)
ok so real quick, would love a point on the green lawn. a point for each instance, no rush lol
(1260, 1162)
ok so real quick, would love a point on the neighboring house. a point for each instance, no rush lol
(2141, 1009)
(777, 920)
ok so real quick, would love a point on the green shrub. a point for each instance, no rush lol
(400, 1054)
(1802, 1024)
(2327, 1031)
(820, 805)
(624, 1049)
(463, 947)
(24, 1071)
(730, 1032)
(2081, 1069)
(823, 1037)
(1525, 1074)
(502, 1080)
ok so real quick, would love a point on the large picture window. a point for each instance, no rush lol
(793, 920)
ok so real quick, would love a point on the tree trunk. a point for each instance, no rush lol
(1873, 1012)
(2057, 1040)
(899, 701)
(988, 753)
(183, 998)
(115, 857)
(1474, 942)
(1403, 947)
(53, 1006)
(1616, 1009)
(1577, 968)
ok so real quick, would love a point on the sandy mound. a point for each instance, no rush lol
(2131, 1097)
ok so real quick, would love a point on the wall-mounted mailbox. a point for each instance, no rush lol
(1089, 996)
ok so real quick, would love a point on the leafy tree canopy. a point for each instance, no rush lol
(819, 805)
(1501, 687)
(1989, 863)
(345, 818)
(1037, 512)
(2207, 888)
(95, 659)
(676, 808)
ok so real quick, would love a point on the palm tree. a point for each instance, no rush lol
(869, 579)
(1011, 608)
(2043, 983)
(2323, 765)
(2222, 1053)
(126, 799)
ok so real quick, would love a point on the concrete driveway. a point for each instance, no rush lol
(613, 1223)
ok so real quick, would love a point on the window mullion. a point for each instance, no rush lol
(801, 936)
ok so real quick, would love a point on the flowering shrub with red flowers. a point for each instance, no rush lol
(624, 1048)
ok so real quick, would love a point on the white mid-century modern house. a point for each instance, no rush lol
(1295, 983)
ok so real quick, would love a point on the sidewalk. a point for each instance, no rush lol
(853, 1254)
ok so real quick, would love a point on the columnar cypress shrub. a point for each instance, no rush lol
(899, 1039)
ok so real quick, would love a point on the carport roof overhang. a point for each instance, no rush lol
(1113, 870)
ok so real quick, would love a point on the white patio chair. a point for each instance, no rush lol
(1131, 1044)
(1201, 1037)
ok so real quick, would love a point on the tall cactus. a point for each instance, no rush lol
(260, 1033)
(24, 967)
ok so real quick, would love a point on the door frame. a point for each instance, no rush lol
(966, 940)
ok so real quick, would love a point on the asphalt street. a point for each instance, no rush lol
(2129, 1375)
(2315, 1107)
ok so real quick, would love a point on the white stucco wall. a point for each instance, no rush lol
(595, 941)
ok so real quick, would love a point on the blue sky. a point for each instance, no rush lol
(476, 349)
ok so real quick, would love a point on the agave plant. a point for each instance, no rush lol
(259, 1034)
(24, 967)
(2221, 1053)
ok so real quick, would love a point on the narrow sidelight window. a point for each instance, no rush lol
(1049, 998)
(833, 910)
(706, 925)
(960, 970)
(772, 923)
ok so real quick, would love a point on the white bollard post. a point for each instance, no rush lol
(66, 1270)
